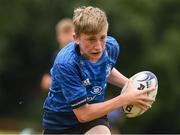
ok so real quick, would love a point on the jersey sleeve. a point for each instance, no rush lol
(113, 49)
(71, 85)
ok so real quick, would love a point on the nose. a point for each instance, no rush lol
(98, 45)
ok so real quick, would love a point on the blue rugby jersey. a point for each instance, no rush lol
(75, 82)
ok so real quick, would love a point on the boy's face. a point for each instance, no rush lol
(64, 37)
(92, 45)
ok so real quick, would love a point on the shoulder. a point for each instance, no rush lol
(112, 47)
(67, 55)
(112, 42)
(66, 60)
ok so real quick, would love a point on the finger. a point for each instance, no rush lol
(144, 103)
(151, 102)
(150, 89)
(145, 108)
(147, 99)
(130, 82)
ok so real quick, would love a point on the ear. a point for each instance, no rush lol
(76, 38)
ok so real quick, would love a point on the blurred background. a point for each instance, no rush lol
(149, 35)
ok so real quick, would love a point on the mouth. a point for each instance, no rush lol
(96, 53)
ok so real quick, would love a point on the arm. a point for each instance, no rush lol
(117, 79)
(90, 112)
(45, 82)
(73, 90)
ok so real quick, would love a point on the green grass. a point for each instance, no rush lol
(6, 132)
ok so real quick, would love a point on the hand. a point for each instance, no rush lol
(138, 97)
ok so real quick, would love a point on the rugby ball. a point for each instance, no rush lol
(141, 80)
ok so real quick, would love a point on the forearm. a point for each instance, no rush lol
(132, 96)
(116, 78)
(90, 112)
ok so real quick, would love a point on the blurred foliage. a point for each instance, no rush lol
(149, 34)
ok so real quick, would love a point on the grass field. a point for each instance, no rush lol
(5, 132)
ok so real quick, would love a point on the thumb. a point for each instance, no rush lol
(130, 83)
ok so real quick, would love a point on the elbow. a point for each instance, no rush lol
(83, 119)
(83, 114)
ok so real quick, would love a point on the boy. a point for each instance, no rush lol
(64, 31)
(75, 103)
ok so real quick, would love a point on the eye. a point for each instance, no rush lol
(103, 38)
(92, 40)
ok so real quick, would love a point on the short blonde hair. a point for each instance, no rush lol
(89, 20)
(64, 25)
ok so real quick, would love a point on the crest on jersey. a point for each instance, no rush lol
(96, 90)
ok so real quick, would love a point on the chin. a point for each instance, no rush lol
(98, 57)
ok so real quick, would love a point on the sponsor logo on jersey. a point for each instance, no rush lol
(91, 98)
(97, 90)
(86, 82)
